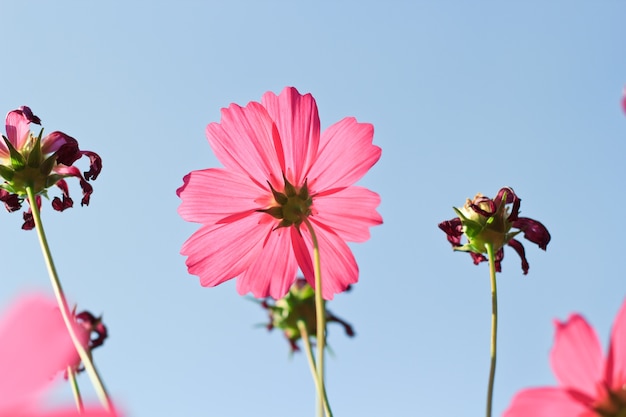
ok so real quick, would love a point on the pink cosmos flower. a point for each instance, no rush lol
(34, 347)
(624, 100)
(591, 385)
(278, 172)
(29, 160)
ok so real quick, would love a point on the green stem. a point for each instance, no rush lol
(309, 353)
(65, 311)
(320, 313)
(75, 389)
(494, 325)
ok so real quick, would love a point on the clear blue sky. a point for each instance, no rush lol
(465, 98)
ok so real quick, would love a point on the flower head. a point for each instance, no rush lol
(298, 305)
(590, 384)
(39, 162)
(95, 329)
(483, 220)
(35, 346)
(279, 174)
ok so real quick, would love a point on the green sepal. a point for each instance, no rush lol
(6, 172)
(46, 166)
(17, 160)
(53, 179)
(34, 157)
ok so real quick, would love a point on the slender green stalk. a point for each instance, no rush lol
(75, 389)
(309, 353)
(65, 311)
(320, 313)
(494, 325)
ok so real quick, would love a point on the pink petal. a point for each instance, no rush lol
(274, 269)
(576, 357)
(298, 124)
(246, 141)
(616, 363)
(72, 412)
(544, 402)
(338, 266)
(211, 195)
(346, 154)
(624, 100)
(349, 213)
(35, 347)
(217, 253)
(18, 130)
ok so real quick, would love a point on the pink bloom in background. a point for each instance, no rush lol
(278, 171)
(590, 383)
(41, 162)
(35, 346)
(624, 100)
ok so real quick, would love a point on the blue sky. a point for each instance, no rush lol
(465, 98)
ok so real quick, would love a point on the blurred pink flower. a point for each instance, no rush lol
(40, 162)
(624, 100)
(590, 384)
(278, 171)
(34, 347)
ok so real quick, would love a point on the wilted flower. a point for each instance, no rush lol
(298, 305)
(280, 172)
(483, 220)
(590, 384)
(35, 346)
(40, 162)
(95, 328)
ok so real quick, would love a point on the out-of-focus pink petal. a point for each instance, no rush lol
(71, 412)
(576, 357)
(212, 194)
(274, 270)
(35, 347)
(624, 100)
(298, 124)
(246, 141)
(544, 402)
(346, 154)
(349, 213)
(339, 268)
(615, 373)
(217, 253)
(17, 128)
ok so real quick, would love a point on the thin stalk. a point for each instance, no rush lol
(62, 301)
(309, 354)
(71, 375)
(494, 325)
(320, 313)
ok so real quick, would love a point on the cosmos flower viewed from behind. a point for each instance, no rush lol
(279, 172)
(28, 160)
(590, 384)
(483, 220)
(35, 347)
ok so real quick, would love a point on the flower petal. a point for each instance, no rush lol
(349, 213)
(576, 357)
(533, 231)
(246, 141)
(35, 347)
(213, 194)
(544, 402)
(17, 128)
(274, 269)
(217, 253)
(298, 124)
(615, 373)
(519, 248)
(346, 154)
(339, 268)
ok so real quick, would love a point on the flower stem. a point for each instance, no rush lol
(62, 301)
(309, 354)
(75, 389)
(494, 325)
(320, 315)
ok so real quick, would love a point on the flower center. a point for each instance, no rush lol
(294, 205)
(614, 405)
